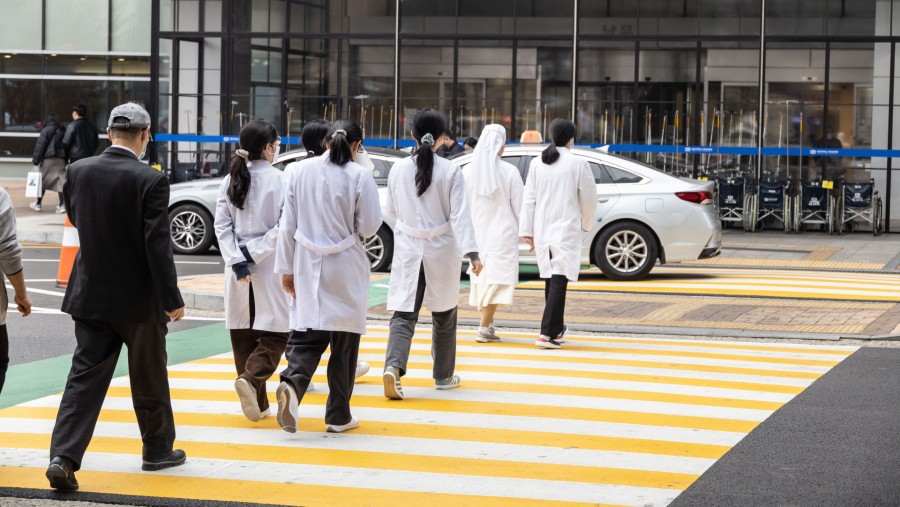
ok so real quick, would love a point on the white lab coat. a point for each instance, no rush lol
(433, 231)
(560, 204)
(326, 209)
(495, 218)
(256, 227)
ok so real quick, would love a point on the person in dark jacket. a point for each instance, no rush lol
(51, 157)
(123, 290)
(80, 140)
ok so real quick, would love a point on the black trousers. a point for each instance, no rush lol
(554, 305)
(93, 365)
(4, 355)
(304, 352)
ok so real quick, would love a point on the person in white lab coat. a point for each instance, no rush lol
(329, 202)
(246, 224)
(495, 199)
(312, 136)
(427, 199)
(559, 206)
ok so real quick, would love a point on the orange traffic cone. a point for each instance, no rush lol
(67, 254)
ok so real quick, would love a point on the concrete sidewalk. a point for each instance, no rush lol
(44, 227)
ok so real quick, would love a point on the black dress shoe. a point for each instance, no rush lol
(169, 460)
(61, 474)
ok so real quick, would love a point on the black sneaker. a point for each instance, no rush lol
(547, 342)
(61, 474)
(172, 459)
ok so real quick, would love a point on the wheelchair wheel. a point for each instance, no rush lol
(786, 209)
(877, 221)
(749, 213)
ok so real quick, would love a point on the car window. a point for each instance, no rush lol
(281, 164)
(523, 169)
(600, 174)
(622, 176)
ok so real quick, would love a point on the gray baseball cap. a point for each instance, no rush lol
(129, 115)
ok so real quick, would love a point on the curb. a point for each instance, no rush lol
(213, 302)
(40, 237)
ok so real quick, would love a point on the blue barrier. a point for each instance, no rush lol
(612, 148)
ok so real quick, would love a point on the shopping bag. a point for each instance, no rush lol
(34, 183)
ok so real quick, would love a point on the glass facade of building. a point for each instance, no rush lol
(55, 54)
(649, 77)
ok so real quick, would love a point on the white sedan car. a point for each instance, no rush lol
(643, 215)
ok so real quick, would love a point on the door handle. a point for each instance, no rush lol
(601, 201)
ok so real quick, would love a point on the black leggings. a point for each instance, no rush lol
(4, 355)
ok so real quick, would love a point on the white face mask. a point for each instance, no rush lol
(362, 158)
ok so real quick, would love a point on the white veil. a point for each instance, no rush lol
(485, 177)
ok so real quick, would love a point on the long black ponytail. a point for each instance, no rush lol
(313, 137)
(561, 132)
(342, 136)
(254, 138)
(428, 125)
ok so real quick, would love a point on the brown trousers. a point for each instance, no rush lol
(257, 354)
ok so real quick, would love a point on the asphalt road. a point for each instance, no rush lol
(47, 332)
(835, 444)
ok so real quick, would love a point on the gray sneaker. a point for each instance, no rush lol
(392, 388)
(486, 335)
(448, 383)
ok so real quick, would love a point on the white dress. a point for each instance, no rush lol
(256, 227)
(559, 206)
(495, 218)
(433, 231)
(327, 208)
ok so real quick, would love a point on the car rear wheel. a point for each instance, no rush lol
(380, 249)
(191, 229)
(626, 251)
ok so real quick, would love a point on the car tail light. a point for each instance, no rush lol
(701, 197)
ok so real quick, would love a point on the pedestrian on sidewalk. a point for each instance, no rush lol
(256, 309)
(495, 199)
(312, 136)
(50, 156)
(330, 201)
(426, 197)
(80, 140)
(11, 267)
(559, 206)
(123, 290)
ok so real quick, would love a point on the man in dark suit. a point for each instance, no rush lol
(122, 290)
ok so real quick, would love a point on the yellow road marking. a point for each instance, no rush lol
(415, 430)
(201, 488)
(477, 385)
(501, 409)
(576, 373)
(382, 461)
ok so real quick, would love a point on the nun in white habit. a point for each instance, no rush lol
(495, 199)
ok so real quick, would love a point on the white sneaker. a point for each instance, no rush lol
(265, 413)
(392, 388)
(35, 206)
(448, 383)
(340, 428)
(288, 412)
(249, 403)
(362, 368)
(60, 210)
